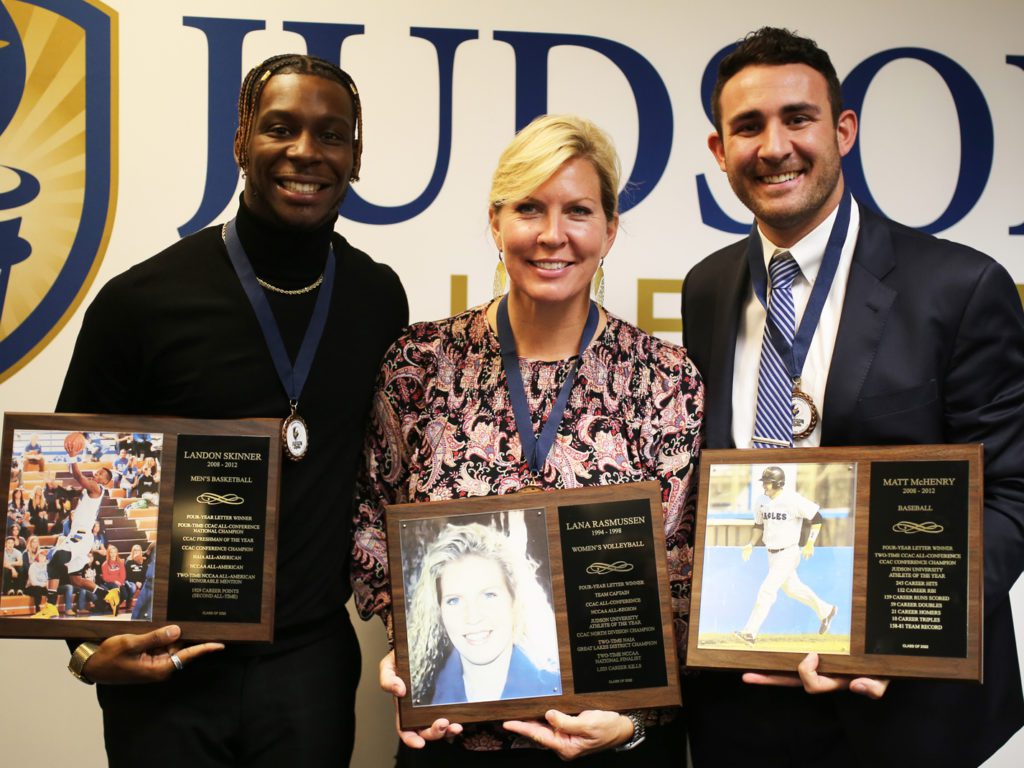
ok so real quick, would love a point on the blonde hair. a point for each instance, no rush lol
(542, 147)
(429, 645)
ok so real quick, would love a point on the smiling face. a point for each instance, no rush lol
(781, 149)
(554, 239)
(300, 153)
(476, 609)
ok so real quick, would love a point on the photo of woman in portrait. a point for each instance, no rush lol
(481, 627)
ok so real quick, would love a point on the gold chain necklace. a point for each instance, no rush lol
(264, 284)
(311, 287)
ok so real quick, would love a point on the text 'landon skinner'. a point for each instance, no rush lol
(226, 455)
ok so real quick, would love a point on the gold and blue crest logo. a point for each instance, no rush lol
(57, 164)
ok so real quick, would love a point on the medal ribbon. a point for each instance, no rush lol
(536, 449)
(793, 355)
(293, 377)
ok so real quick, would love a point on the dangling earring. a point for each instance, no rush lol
(500, 275)
(599, 283)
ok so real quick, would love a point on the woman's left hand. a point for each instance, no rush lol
(571, 736)
(808, 677)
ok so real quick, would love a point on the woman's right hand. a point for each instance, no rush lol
(142, 658)
(391, 683)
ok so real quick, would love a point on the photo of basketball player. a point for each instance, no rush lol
(778, 567)
(479, 616)
(93, 518)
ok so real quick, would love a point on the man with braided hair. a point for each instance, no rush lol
(778, 519)
(279, 268)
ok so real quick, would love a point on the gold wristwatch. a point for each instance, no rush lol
(78, 659)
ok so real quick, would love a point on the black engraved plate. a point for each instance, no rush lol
(917, 559)
(612, 597)
(218, 529)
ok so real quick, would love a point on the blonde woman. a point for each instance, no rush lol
(460, 403)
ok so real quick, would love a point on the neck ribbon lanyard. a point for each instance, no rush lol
(536, 449)
(793, 357)
(293, 377)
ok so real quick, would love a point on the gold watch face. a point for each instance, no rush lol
(78, 659)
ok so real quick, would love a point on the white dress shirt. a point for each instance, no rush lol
(808, 253)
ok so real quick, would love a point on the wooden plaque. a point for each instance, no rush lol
(891, 587)
(566, 590)
(199, 497)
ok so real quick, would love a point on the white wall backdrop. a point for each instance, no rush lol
(911, 142)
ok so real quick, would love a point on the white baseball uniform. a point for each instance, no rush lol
(782, 518)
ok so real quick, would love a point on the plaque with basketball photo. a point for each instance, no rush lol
(119, 524)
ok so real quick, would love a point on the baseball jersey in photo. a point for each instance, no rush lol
(782, 518)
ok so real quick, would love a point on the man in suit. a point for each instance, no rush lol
(919, 340)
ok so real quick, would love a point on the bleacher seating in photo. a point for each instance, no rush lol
(125, 521)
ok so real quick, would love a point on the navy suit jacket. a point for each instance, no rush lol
(930, 349)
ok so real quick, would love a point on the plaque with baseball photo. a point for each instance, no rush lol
(122, 524)
(871, 557)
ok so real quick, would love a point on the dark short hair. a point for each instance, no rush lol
(775, 46)
(293, 64)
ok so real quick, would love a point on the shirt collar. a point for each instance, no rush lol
(809, 251)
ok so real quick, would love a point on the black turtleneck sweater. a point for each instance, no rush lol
(175, 335)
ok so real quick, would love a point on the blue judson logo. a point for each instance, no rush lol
(57, 158)
(653, 102)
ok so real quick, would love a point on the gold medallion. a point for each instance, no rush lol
(805, 414)
(295, 436)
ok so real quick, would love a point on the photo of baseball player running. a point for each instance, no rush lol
(797, 520)
(778, 521)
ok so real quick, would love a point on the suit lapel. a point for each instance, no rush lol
(735, 285)
(865, 309)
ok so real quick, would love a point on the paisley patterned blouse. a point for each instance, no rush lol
(442, 427)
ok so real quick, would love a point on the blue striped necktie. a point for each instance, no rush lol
(773, 424)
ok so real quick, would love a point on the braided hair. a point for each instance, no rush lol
(292, 64)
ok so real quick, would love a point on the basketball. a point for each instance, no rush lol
(74, 443)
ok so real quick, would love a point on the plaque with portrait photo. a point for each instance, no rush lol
(136, 522)
(507, 606)
(870, 557)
